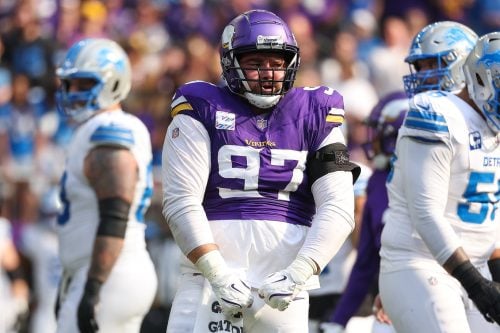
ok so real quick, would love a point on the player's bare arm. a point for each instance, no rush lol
(112, 173)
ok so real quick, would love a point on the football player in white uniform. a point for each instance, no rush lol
(442, 222)
(258, 186)
(109, 280)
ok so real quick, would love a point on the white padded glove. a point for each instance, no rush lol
(331, 328)
(232, 292)
(280, 289)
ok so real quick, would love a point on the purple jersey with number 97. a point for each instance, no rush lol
(258, 162)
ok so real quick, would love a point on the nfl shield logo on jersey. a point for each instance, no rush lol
(175, 133)
(261, 123)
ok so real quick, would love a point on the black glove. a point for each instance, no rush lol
(483, 292)
(86, 309)
(494, 266)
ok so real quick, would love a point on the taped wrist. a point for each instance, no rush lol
(212, 266)
(301, 269)
(494, 266)
(467, 275)
(113, 217)
(93, 286)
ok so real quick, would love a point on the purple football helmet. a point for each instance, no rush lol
(383, 124)
(257, 31)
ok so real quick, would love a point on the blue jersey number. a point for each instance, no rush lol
(146, 196)
(480, 205)
(64, 215)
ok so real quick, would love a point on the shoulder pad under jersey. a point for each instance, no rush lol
(193, 95)
(434, 116)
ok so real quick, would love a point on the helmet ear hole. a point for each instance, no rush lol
(115, 86)
(479, 80)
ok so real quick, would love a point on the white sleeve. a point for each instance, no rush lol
(426, 188)
(185, 169)
(334, 219)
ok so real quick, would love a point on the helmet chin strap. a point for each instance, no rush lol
(262, 102)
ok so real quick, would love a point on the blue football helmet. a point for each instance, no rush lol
(383, 124)
(448, 43)
(101, 60)
(257, 31)
(482, 72)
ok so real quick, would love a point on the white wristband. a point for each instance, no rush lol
(212, 265)
(301, 269)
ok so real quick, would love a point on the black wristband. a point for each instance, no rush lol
(467, 274)
(93, 286)
(494, 266)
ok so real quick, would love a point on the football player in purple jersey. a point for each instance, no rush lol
(258, 185)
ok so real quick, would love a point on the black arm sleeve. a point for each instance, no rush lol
(113, 215)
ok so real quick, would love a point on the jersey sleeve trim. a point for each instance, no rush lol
(112, 135)
(427, 121)
(180, 104)
(335, 115)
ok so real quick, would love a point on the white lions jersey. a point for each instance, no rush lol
(473, 183)
(77, 223)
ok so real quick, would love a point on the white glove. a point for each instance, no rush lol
(280, 289)
(331, 328)
(232, 292)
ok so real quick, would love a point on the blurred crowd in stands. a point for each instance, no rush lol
(355, 46)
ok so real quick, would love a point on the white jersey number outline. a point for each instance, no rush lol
(250, 174)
